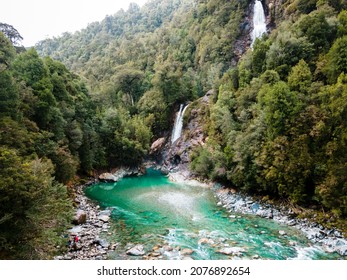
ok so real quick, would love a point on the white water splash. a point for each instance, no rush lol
(259, 23)
(177, 130)
(307, 253)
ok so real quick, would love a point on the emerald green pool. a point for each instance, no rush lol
(151, 210)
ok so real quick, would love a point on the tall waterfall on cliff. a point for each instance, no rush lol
(177, 129)
(259, 23)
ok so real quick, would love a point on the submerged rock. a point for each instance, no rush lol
(203, 241)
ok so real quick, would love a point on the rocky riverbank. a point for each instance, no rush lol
(91, 222)
(331, 240)
(84, 239)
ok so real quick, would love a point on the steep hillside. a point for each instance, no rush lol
(278, 126)
(175, 48)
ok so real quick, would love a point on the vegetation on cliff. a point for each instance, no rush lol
(278, 126)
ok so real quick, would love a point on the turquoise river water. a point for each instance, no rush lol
(152, 210)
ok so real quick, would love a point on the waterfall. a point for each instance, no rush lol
(259, 24)
(177, 129)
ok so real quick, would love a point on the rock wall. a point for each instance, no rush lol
(274, 11)
(176, 156)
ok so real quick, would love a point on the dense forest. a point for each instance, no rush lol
(278, 126)
(97, 98)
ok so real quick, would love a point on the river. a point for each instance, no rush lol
(155, 212)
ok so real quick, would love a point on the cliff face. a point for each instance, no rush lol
(176, 156)
(274, 11)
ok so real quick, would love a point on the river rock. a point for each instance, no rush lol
(187, 251)
(105, 212)
(164, 170)
(282, 232)
(342, 250)
(203, 241)
(155, 254)
(231, 251)
(108, 177)
(98, 224)
(291, 223)
(138, 250)
(103, 243)
(265, 213)
(80, 217)
(104, 218)
(167, 248)
(334, 244)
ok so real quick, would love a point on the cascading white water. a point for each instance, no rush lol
(177, 129)
(259, 23)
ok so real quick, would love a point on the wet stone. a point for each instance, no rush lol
(138, 250)
(187, 251)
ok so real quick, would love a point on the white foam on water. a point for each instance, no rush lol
(273, 244)
(306, 253)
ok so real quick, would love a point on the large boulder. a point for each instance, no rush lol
(108, 177)
(157, 145)
(80, 217)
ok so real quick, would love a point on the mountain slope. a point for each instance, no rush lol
(190, 40)
(278, 126)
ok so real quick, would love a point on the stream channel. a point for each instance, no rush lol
(153, 211)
